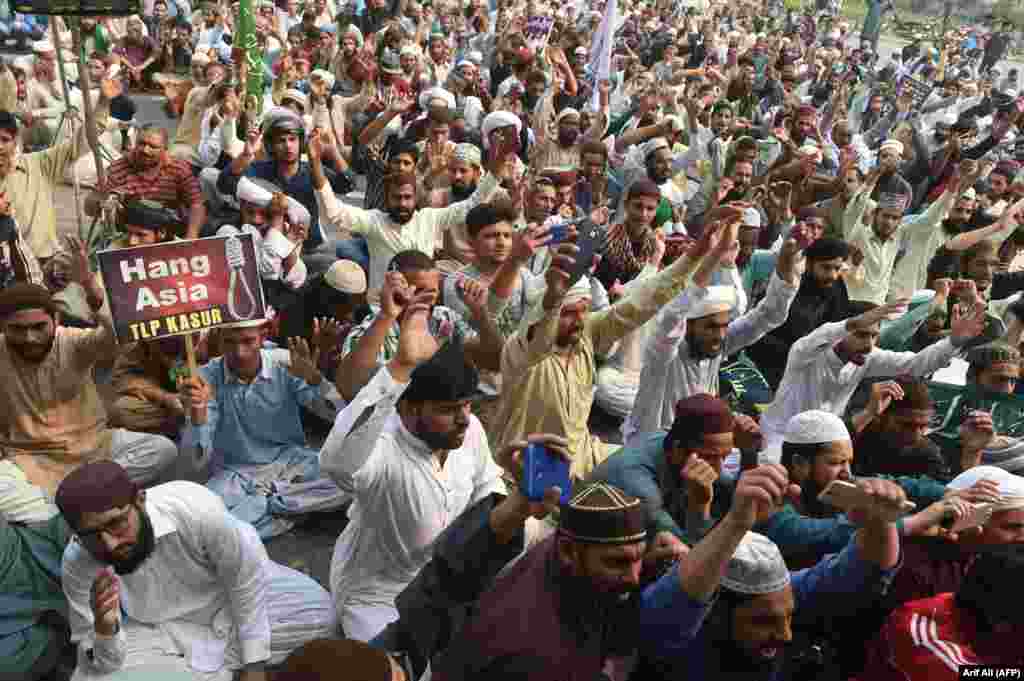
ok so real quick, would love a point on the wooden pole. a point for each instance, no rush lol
(90, 114)
(68, 120)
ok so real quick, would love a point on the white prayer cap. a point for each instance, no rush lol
(969, 194)
(326, 76)
(475, 56)
(751, 217)
(893, 144)
(200, 57)
(434, 93)
(497, 120)
(578, 291)
(296, 96)
(346, 276)
(756, 568)
(718, 299)
(42, 47)
(1011, 485)
(815, 427)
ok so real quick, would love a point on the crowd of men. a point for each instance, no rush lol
(756, 286)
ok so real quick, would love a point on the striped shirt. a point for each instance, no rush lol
(171, 183)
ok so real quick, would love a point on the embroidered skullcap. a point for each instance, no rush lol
(24, 296)
(326, 76)
(718, 299)
(815, 427)
(654, 144)
(566, 113)
(341, 660)
(346, 276)
(893, 144)
(756, 567)
(643, 187)
(751, 217)
(600, 513)
(700, 414)
(428, 96)
(94, 488)
(467, 153)
(496, 120)
(827, 248)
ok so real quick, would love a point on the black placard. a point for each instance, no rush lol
(78, 7)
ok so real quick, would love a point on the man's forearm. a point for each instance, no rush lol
(357, 368)
(879, 543)
(701, 570)
(196, 218)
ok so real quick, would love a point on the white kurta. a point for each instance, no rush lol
(670, 373)
(816, 378)
(403, 499)
(208, 599)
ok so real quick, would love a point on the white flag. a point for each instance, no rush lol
(600, 66)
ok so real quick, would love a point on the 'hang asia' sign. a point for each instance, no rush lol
(181, 287)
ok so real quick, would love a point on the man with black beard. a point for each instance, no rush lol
(166, 579)
(816, 450)
(730, 613)
(676, 365)
(413, 457)
(821, 298)
(891, 432)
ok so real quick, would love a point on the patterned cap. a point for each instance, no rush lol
(756, 567)
(600, 513)
(467, 153)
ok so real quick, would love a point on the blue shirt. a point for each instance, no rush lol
(254, 423)
(671, 621)
(299, 187)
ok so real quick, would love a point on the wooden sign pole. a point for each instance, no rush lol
(90, 114)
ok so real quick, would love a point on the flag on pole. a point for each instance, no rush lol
(600, 66)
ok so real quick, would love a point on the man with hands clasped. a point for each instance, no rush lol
(245, 416)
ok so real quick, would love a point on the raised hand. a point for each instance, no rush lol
(105, 602)
(699, 477)
(883, 394)
(416, 344)
(876, 315)
(395, 295)
(304, 361)
(967, 322)
(80, 271)
(977, 431)
(558, 278)
(315, 146)
(327, 333)
(759, 493)
(881, 497)
(510, 459)
(474, 294)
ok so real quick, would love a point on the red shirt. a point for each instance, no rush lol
(171, 183)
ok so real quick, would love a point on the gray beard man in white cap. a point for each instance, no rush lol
(735, 586)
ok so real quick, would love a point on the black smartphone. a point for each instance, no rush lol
(590, 241)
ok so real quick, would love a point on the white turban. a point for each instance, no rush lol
(496, 120)
(436, 93)
(260, 194)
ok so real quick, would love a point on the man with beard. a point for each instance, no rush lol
(401, 226)
(821, 298)
(55, 418)
(680, 364)
(560, 145)
(547, 367)
(408, 428)
(28, 179)
(891, 432)
(464, 170)
(149, 172)
(679, 474)
(730, 612)
(166, 578)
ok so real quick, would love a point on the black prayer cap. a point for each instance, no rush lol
(446, 377)
(600, 513)
(827, 248)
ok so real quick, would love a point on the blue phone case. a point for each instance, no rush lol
(559, 232)
(542, 470)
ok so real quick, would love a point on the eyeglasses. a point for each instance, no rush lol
(116, 526)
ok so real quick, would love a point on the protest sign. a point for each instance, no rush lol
(182, 287)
